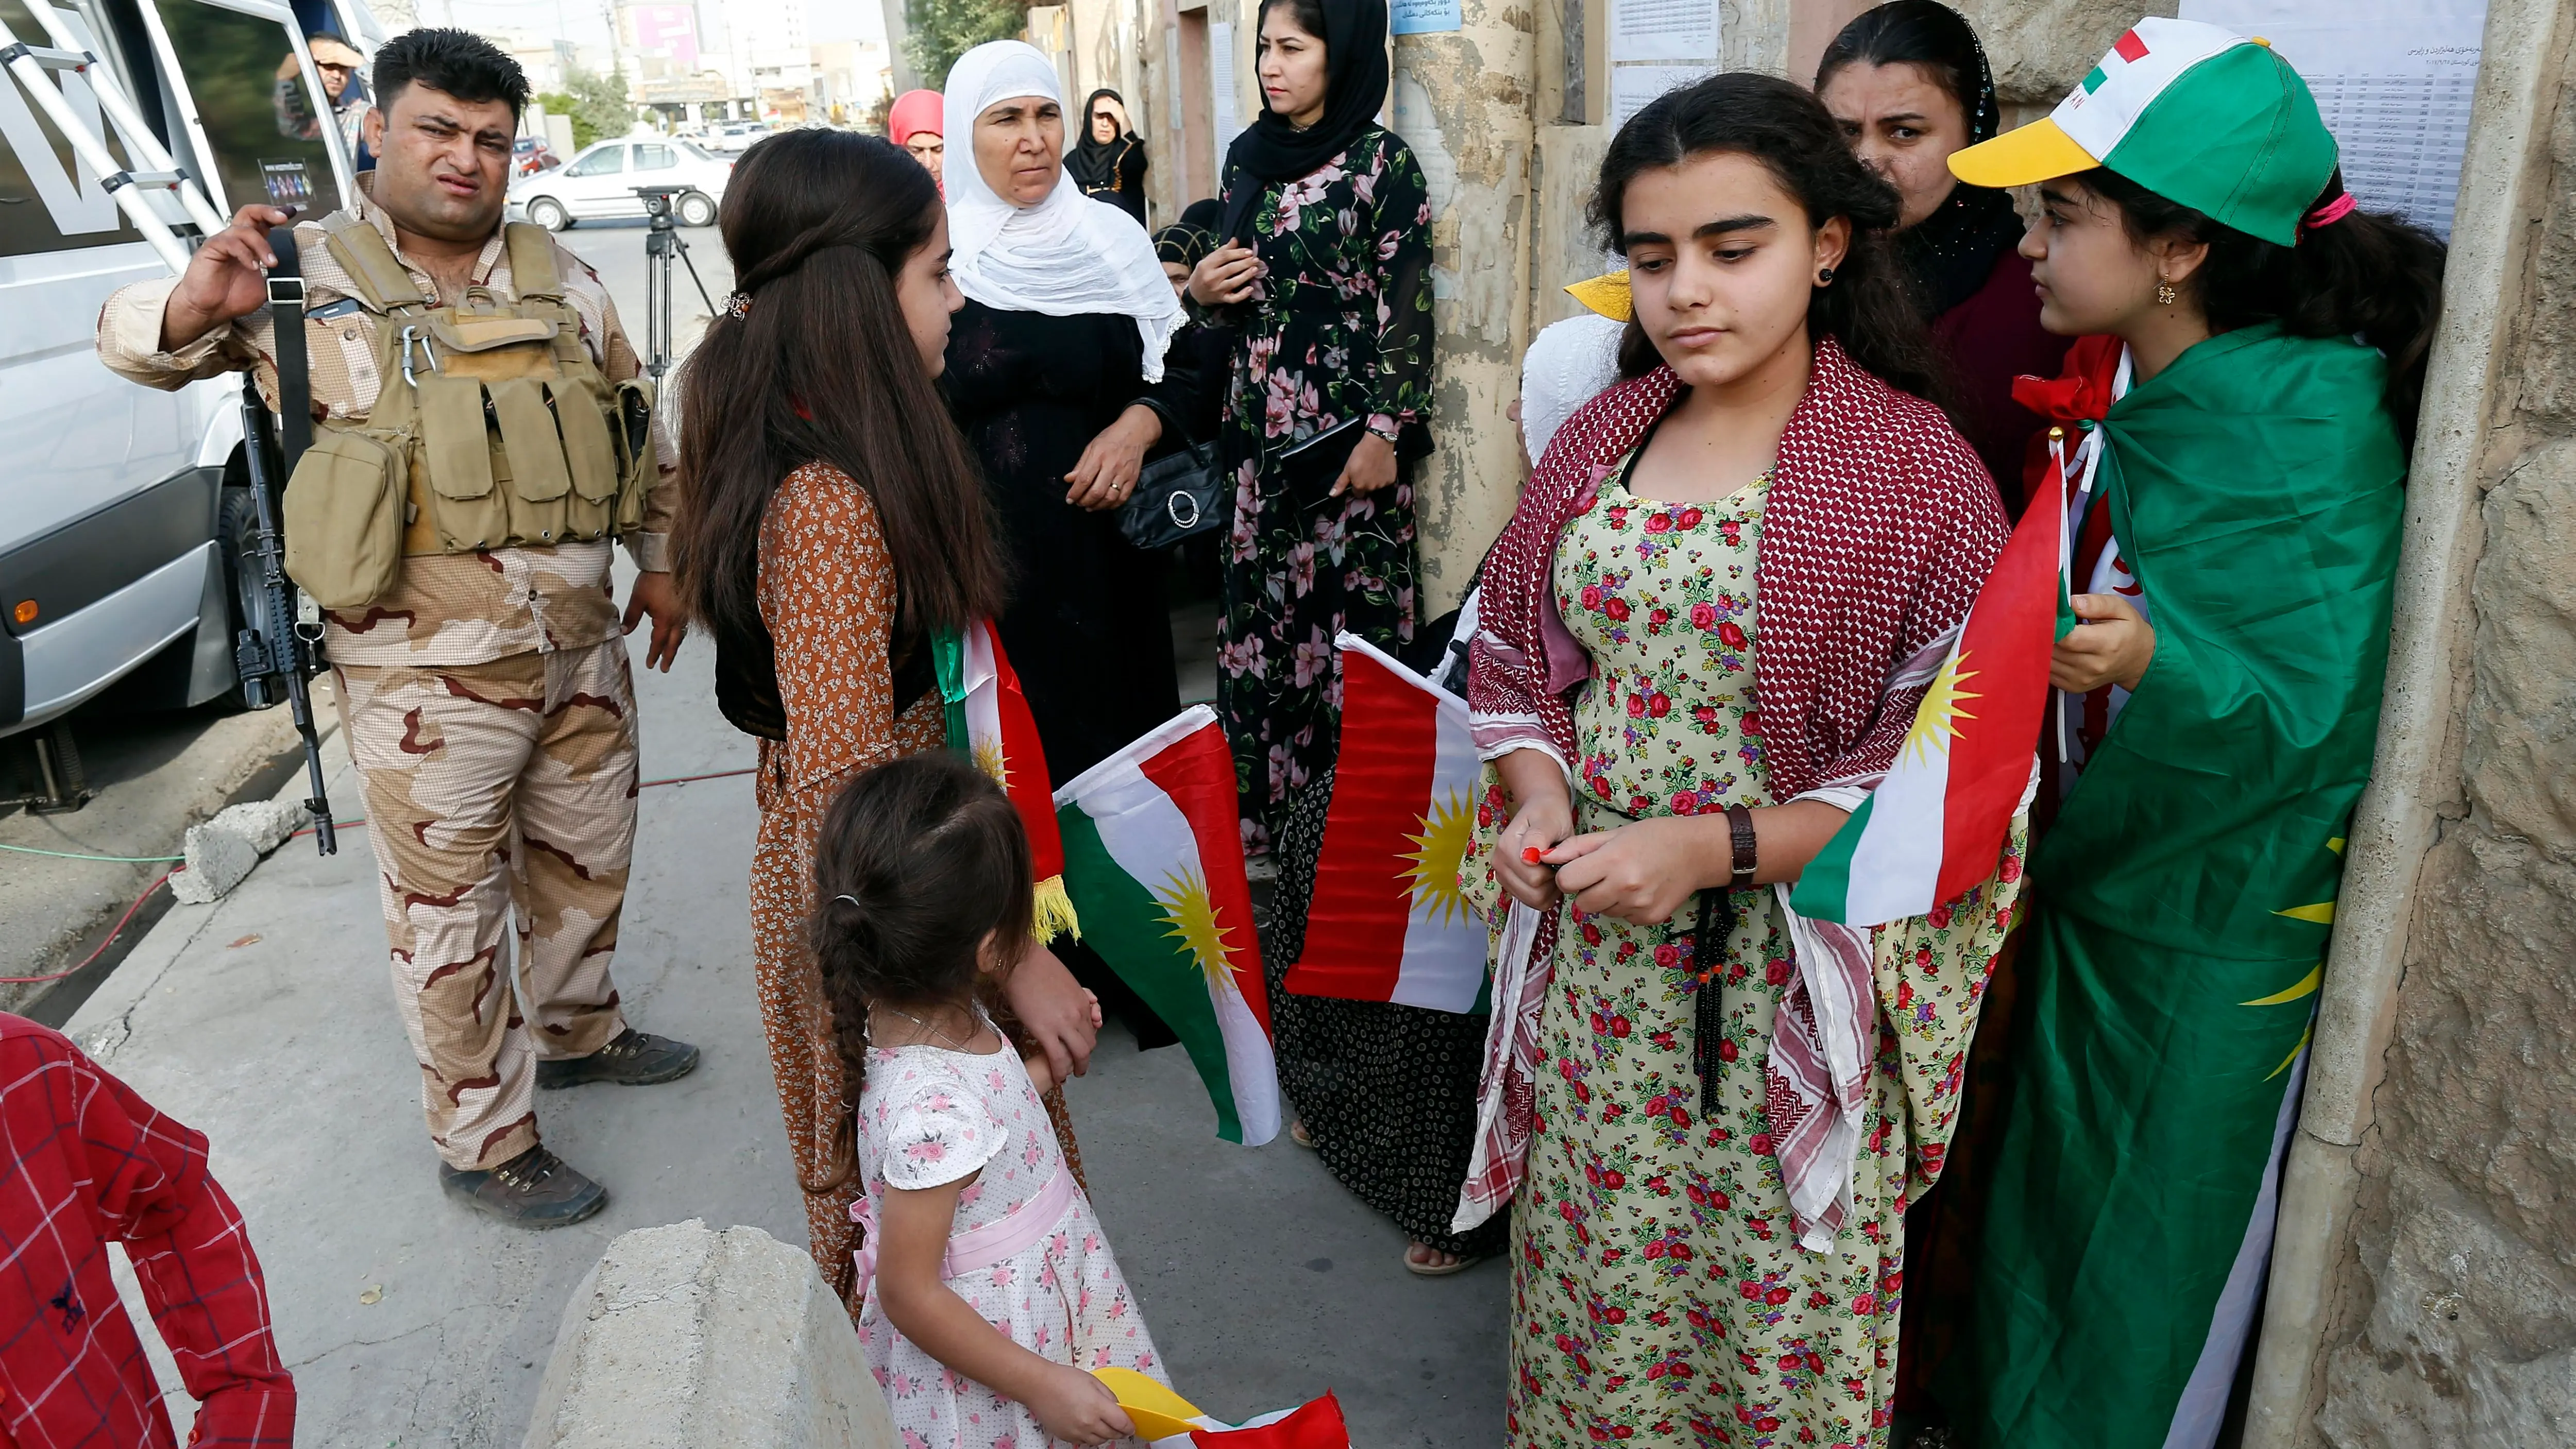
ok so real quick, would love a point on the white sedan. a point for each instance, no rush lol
(600, 183)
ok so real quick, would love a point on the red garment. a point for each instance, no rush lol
(1880, 528)
(914, 112)
(89, 1161)
(1990, 339)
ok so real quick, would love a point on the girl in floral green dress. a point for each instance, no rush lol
(1325, 277)
(1700, 648)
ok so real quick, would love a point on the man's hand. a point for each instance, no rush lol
(1371, 467)
(1061, 1017)
(2114, 645)
(654, 595)
(1105, 475)
(225, 280)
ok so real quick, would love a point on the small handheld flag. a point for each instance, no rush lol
(1153, 858)
(1936, 823)
(990, 723)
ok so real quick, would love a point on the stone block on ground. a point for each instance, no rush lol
(266, 824)
(686, 1336)
(216, 860)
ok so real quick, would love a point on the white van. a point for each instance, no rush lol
(123, 510)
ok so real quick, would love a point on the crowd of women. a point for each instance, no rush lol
(2001, 1169)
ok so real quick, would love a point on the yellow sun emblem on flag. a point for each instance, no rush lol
(987, 751)
(1191, 914)
(1437, 851)
(1935, 719)
(2321, 914)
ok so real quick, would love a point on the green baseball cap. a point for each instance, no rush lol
(2192, 112)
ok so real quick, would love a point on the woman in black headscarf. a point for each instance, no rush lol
(1324, 270)
(1324, 266)
(1909, 83)
(1108, 163)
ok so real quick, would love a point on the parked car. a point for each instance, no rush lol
(734, 137)
(124, 510)
(530, 155)
(600, 183)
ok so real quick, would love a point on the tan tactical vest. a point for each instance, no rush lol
(493, 428)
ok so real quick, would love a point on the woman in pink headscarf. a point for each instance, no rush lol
(914, 125)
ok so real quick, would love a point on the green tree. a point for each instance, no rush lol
(942, 30)
(597, 104)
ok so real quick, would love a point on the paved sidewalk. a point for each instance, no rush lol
(267, 1021)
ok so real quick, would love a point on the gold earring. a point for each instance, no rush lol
(2165, 293)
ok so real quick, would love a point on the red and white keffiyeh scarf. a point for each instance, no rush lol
(1880, 527)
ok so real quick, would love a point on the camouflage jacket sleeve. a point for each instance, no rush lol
(129, 340)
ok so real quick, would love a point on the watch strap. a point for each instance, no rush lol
(1740, 824)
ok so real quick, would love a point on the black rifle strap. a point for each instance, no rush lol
(294, 373)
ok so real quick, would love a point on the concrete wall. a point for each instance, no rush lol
(2424, 1289)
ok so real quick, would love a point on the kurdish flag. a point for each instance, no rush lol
(1165, 1420)
(1935, 825)
(989, 721)
(1387, 921)
(1154, 862)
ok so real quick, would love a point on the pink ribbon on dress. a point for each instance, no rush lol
(1022, 1227)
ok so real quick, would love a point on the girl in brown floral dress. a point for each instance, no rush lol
(830, 522)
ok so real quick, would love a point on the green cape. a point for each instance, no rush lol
(2183, 898)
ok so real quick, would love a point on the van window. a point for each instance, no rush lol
(654, 158)
(238, 68)
(606, 161)
(48, 200)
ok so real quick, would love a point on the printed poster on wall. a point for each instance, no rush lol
(2393, 80)
(1423, 17)
(1658, 46)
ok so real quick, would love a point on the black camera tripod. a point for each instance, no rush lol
(662, 241)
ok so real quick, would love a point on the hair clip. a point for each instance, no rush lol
(2328, 214)
(738, 306)
(845, 895)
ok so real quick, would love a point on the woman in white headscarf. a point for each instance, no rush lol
(1055, 374)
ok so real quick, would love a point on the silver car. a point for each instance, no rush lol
(599, 183)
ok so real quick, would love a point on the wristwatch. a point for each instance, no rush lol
(1740, 822)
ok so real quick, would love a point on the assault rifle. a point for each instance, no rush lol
(280, 645)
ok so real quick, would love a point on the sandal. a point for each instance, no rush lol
(1435, 1270)
(1298, 1134)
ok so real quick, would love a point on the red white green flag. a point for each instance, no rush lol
(1153, 859)
(1387, 921)
(1936, 823)
(989, 721)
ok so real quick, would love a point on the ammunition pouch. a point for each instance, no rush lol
(492, 428)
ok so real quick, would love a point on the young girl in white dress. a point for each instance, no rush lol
(986, 1288)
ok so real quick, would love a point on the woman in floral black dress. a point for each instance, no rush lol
(1325, 275)
(1326, 272)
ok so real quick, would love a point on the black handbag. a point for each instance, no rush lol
(1179, 495)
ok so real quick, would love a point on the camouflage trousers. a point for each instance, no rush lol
(492, 790)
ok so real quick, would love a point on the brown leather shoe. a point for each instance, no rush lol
(634, 1059)
(535, 1189)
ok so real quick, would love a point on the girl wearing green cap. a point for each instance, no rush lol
(2237, 419)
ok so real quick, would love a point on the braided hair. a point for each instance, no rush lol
(920, 862)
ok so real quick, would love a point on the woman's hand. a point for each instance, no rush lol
(1062, 1018)
(1543, 817)
(1225, 276)
(2113, 645)
(1643, 872)
(1371, 467)
(1106, 473)
(1075, 1406)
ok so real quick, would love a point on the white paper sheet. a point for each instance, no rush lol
(1663, 30)
(2393, 80)
(1221, 80)
(1632, 86)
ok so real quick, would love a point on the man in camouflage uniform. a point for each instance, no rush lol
(485, 697)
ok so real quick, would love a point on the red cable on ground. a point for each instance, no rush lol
(112, 934)
(164, 879)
